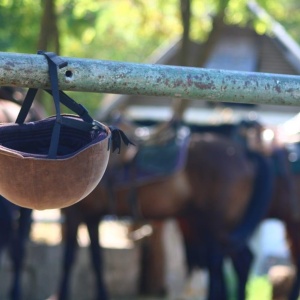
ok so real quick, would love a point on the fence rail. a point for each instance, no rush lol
(30, 70)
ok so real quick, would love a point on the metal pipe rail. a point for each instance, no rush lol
(31, 70)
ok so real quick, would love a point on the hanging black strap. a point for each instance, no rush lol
(53, 57)
(64, 99)
(26, 106)
(74, 106)
(55, 62)
(117, 136)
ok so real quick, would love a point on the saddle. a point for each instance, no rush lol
(164, 159)
(153, 159)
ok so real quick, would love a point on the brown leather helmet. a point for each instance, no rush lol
(54, 162)
(31, 179)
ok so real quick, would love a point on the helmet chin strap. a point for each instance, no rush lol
(88, 124)
(117, 135)
(55, 62)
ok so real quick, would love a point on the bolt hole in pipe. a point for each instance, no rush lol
(69, 75)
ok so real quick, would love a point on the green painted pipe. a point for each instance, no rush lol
(30, 70)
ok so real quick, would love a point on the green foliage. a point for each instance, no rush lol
(108, 29)
(286, 12)
(202, 12)
(127, 30)
(237, 12)
(19, 25)
(117, 30)
(259, 288)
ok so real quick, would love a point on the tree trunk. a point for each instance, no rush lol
(48, 41)
(49, 34)
(185, 9)
(217, 25)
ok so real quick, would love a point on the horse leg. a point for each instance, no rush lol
(70, 249)
(217, 287)
(6, 226)
(294, 294)
(202, 250)
(242, 261)
(17, 251)
(97, 257)
(292, 232)
(152, 262)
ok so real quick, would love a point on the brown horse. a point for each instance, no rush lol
(284, 206)
(15, 222)
(214, 189)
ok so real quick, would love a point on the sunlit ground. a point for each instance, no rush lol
(258, 289)
(46, 229)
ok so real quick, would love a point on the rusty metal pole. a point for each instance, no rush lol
(30, 70)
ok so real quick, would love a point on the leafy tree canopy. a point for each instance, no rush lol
(127, 30)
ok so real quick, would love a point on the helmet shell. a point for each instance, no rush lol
(34, 181)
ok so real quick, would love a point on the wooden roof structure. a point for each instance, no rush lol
(236, 48)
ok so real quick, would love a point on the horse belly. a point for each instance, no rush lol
(221, 179)
(239, 196)
(162, 198)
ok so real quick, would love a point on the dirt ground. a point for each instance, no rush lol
(46, 229)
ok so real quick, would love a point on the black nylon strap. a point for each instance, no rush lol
(88, 124)
(26, 106)
(58, 61)
(55, 62)
(117, 136)
(74, 106)
(54, 140)
(68, 102)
